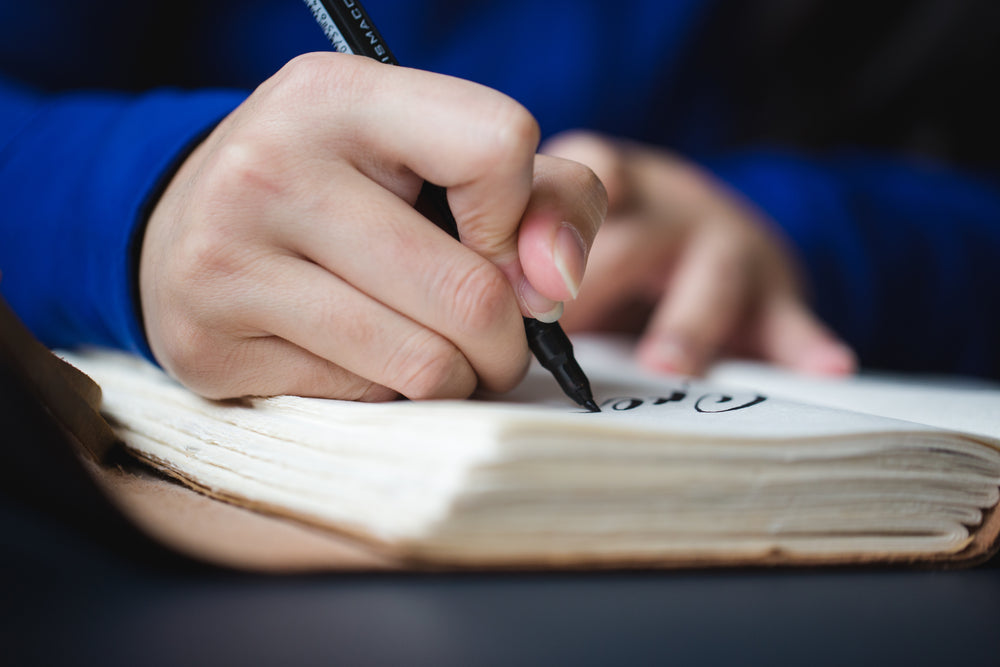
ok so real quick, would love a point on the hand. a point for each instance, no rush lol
(285, 255)
(694, 266)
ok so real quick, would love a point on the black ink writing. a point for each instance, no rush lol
(709, 403)
(702, 404)
(622, 404)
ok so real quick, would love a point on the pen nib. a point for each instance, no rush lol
(591, 405)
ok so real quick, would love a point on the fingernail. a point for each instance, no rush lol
(570, 256)
(830, 359)
(541, 308)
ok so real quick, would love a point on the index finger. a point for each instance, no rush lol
(475, 141)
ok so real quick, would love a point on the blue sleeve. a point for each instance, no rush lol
(66, 232)
(902, 258)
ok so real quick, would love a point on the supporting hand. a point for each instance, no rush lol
(694, 266)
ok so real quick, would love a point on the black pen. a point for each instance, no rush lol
(350, 30)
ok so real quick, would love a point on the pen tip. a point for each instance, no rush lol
(591, 405)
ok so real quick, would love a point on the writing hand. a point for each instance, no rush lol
(693, 266)
(285, 255)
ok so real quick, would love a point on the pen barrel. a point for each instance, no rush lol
(347, 26)
(432, 203)
(350, 30)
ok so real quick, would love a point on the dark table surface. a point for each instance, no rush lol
(69, 598)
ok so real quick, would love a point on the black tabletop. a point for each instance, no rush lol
(72, 599)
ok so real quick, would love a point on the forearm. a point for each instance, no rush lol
(77, 172)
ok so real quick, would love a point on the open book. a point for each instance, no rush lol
(673, 471)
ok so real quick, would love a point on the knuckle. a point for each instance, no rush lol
(308, 64)
(222, 238)
(326, 379)
(301, 73)
(482, 299)
(241, 169)
(315, 78)
(433, 377)
(430, 367)
(512, 138)
(372, 392)
(210, 254)
(519, 132)
(192, 357)
(514, 368)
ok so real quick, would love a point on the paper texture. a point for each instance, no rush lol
(673, 471)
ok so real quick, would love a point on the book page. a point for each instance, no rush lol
(744, 400)
(671, 465)
(959, 404)
(633, 401)
(966, 405)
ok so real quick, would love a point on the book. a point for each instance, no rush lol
(748, 466)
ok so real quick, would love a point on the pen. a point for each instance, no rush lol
(350, 30)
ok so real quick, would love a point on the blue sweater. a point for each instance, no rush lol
(99, 100)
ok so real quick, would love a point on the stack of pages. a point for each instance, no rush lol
(673, 471)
